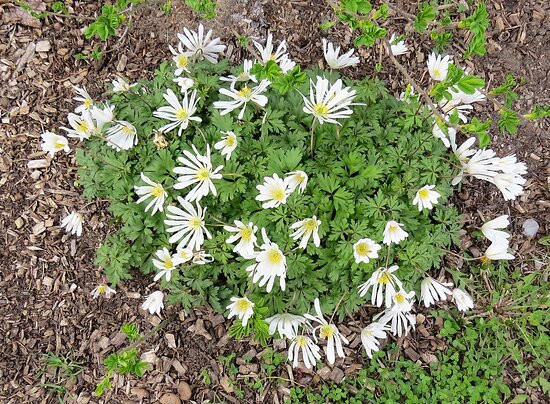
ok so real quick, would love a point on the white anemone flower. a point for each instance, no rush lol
(185, 83)
(84, 98)
(483, 164)
(228, 144)
(154, 303)
(304, 229)
(510, 185)
(393, 233)
(296, 180)
(242, 308)
(102, 116)
(201, 257)
(52, 143)
(465, 98)
(491, 228)
(180, 59)
(462, 300)
(397, 48)
(279, 56)
(72, 223)
(273, 192)
(451, 106)
(310, 351)
(285, 324)
(246, 234)
(383, 282)
(399, 320)
(365, 249)
(166, 262)
(432, 290)
(338, 62)
(82, 126)
(242, 97)
(498, 250)
(102, 290)
(327, 102)
(370, 336)
(426, 197)
(184, 254)
(510, 165)
(270, 264)
(121, 86)
(122, 136)
(197, 169)
(438, 66)
(438, 133)
(187, 225)
(200, 46)
(243, 76)
(152, 190)
(329, 332)
(178, 113)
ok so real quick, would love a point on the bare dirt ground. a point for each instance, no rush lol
(46, 276)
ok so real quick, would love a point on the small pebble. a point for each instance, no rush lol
(530, 227)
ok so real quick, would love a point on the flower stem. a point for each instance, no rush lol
(312, 137)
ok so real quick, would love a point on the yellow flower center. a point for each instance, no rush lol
(203, 174)
(181, 114)
(300, 178)
(310, 225)
(243, 75)
(274, 257)
(87, 103)
(102, 289)
(320, 109)
(278, 194)
(157, 191)
(301, 341)
(384, 279)
(195, 223)
(184, 255)
(423, 193)
(327, 331)
(246, 234)
(243, 305)
(363, 249)
(230, 140)
(181, 60)
(59, 145)
(168, 264)
(437, 73)
(393, 228)
(127, 130)
(485, 260)
(244, 92)
(82, 126)
(399, 298)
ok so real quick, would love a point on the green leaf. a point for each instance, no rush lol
(509, 121)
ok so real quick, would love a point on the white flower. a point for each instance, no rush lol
(121, 86)
(490, 229)
(437, 132)
(178, 113)
(382, 281)
(201, 257)
(399, 320)
(122, 136)
(329, 332)
(154, 190)
(296, 179)
(402, 301)
(53, 143)
(285, 324)
(280, 56)
(465, 98)
(482, 165)
(327, 102)
(188, 225)
(184, 254)
(498, 250)
(393, 233)
(242, 308)
(365, 249)
(310, 351)
(242, 97)
(431, 290)
(426, 197)
(335, 61)
(438, 66)
(72, 223)
(397, 48)
(82, 126)
(510, 165)
(246, 234)
(185, 83)
(197, 169)
(102, 289)
(227, 145)
(154, 302)
(102, 115)
(166, 263)
(273, 192)
(462, 300)
(463, 152)
(270, 263)
(200, 46)
(180, 59)
(305, 229)
(510, 185)
(84, 98)
(243, 76)
(370, 336)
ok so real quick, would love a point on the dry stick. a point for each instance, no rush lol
(156, 329)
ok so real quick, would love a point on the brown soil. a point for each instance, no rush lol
(47, 276)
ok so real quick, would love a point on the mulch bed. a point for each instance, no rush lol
(47, 276)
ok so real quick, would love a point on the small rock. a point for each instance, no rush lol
(139, 392)
(43, 46)
(337, 375)
(169, 398)
(530, 227)
(184, 391)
